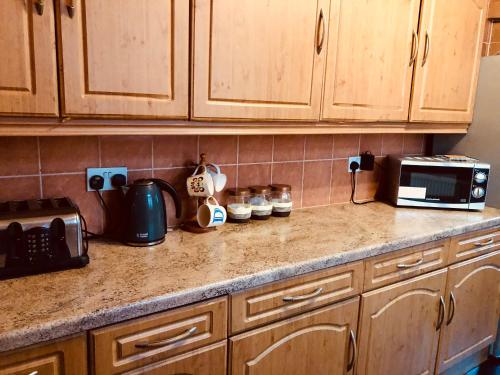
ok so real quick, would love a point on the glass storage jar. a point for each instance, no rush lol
(281, 197)
(239, 209)
(262, 207)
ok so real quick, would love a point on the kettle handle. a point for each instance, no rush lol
(165, 186)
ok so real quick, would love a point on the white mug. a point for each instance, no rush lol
(200, 185)
(219, 178)
(211, 214)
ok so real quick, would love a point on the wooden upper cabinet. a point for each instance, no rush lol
(259, 59)
(125, 58)
(28, 67)
(473, 298)
(447, 67)
(371, 50)
(321, 342)
(398, 327)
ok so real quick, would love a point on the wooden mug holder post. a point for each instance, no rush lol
(191, 225)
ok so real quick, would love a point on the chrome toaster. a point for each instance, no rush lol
(39, 236)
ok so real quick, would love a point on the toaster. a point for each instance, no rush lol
(38, 236)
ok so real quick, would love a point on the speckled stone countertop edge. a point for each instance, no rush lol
(79, 324)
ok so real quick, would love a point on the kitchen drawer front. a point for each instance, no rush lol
(66, 356)
(271, 302)
(473, 244)
(401, 265)
(125, 346)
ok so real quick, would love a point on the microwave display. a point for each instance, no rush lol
(443, 184)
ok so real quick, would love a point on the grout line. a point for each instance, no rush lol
(237, 159)
(99, 151)
(303, 169)
(272, 159)
(152, 153)
(64, 174)
(20, 176)
(330, 199)
(39, 165)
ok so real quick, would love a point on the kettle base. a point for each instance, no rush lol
(145, 244)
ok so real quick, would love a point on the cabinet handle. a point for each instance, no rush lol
(417, 263)
(70, 6)
(320, 36)
(352, 343)
(172, 340)
(39, 6)
(451, 313)
(316, 293)
(427, 48)
(442, 313)
(414, 46)
(489, 242)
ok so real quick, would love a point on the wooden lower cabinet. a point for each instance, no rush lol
(473, 292)
(209, 360)
(320, 342)
(399, 326)
(67, 356)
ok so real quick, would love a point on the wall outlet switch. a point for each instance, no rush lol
(351, 159)
(106, 174)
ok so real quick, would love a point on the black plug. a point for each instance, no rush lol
(367, 161)
(354, 166)
(118, 180)
(96, 182)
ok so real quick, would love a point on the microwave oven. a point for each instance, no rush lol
(437, 181)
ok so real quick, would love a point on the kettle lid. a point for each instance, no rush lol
(143, 182)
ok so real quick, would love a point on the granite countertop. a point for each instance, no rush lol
(125, 282)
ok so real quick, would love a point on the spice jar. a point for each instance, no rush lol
(239, 209)
(281, 197)
(260, 200)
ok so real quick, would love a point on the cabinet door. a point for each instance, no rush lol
(125, 58)
(259, 59)
(473, 292)
(66, 356)
(371, 50)
(28, 70)
(320, 342)
(447, 67)
(210, 360)
(399, 324)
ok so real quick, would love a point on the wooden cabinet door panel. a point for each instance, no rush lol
(397, 333)
(65, 356)
(317, 343)
(447, 67)
(473, 315)
(126, 58)
(28, 70)
(369, 69)
(258, 59)
(209, 360)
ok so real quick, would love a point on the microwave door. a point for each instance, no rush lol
(444, 186)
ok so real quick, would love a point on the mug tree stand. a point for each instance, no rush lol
(191, 225)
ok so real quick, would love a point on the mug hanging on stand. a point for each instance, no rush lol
(200, 185)
(218, 177)
(211, 214)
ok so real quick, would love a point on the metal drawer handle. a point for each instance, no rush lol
(172, 340)
(352, 343)
(442, 313)
(489, 242)
(316, 293)
(417, 263)
(320, 37)
(39, 6)
(71, 8)
(414, 49)
(451, 313)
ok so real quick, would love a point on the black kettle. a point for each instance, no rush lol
(146, 213)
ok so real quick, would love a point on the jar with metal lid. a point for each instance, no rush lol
(262, 207)
(281, 197)
(239, 209)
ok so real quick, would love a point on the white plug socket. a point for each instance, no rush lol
(106, 174)
(351, 159)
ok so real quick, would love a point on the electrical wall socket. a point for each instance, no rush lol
(107, 174)
(351, 159)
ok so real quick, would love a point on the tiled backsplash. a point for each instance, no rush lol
(315, 165)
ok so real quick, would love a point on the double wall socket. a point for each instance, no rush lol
(106, 174)
(351, 159)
